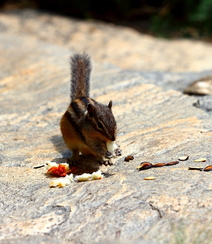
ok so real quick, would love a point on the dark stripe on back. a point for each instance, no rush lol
(75, 125)
(93, 100)
(76, 108)
(85, 101)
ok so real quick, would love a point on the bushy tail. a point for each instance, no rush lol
(80, 76)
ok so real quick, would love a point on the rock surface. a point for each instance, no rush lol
(156, 123)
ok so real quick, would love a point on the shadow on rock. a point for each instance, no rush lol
(86, 164)
(60, 146)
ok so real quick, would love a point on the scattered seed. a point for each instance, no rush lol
(195, 168)
(205, 131)
(149, 178)
(144, 165)
(38, 166)
(128, 158)
(183, 158)
(159, 165)
(200, 160)
(208, 168)
(172, 163)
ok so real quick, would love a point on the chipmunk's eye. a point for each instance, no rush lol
(100, 126)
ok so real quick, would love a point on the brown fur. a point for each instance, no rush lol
(87, 125)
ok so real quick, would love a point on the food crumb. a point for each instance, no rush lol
(149, 178)
(128, 158)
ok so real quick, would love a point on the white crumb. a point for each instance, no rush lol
(97, 175)
(85, 177)
(62, 181)
(68, 179)
(111, 146)
(50, 164)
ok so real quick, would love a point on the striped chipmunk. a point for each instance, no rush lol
(88, 127)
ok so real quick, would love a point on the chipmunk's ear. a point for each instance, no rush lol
(91, 110)
(110, 104)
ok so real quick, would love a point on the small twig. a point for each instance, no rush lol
(38, 166)
(157, 209)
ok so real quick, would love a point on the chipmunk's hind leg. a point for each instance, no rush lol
(73, 160)
(104, 160)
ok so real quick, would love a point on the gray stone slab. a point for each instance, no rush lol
(155, 124)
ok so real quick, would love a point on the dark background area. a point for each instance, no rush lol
(165, 18)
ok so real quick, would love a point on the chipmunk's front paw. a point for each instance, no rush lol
(108, 155)
(118, 152)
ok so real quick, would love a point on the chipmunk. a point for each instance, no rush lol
(87, 126)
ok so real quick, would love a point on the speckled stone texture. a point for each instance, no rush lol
(156, 122)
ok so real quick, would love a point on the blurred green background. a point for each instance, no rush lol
(165, 18)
